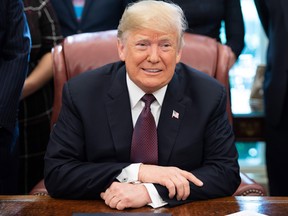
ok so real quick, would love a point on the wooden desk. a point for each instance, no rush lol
(44, 205)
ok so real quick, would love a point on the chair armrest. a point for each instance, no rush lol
(249, 187)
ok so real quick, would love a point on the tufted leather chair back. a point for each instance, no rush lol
(82, 52)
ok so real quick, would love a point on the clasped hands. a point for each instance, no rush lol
(127, 195)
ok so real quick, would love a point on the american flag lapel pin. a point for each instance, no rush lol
(175, 114)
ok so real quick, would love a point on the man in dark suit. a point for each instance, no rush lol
(92, 154)
(274, 18)
(14, 54)
(96, 15)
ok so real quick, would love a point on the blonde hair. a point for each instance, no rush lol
(155, 15)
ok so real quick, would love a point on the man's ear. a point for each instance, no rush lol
(120, 47)
(179, 55)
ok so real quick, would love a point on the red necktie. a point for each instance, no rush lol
(144, 148)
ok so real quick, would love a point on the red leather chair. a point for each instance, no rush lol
(79, 53)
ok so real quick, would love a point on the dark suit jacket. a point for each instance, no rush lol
(14, 53)
(90, 143)
(97, 15)
(274, 17)
(205, 17)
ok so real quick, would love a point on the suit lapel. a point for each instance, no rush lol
(86, 9)
(120, 119)
(169, 124)
(70, 8)
(119, 115)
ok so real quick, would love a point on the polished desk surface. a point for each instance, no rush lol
(29, 205)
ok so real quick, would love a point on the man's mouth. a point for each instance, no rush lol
(152, 70)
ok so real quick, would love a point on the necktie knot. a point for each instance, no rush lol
(148, 99)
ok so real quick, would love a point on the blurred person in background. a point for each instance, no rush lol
(37, 95)
(274, 18)
(14, 56)
(79, 16)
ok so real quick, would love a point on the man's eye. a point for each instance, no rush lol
(141, 44)
(166, 45)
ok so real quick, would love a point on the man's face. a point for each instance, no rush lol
(150, 57)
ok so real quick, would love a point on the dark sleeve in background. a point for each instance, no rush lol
(234, 26)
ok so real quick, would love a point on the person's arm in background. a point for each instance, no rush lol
(263, 14)
(39, 77)
(14, 57)
(234, 28)
(50, 36)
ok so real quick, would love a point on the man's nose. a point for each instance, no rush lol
(153, 55)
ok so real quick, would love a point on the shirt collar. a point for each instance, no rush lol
(135, 93)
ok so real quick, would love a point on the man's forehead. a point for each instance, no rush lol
(153, 35)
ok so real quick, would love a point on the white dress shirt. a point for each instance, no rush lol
(130, 173)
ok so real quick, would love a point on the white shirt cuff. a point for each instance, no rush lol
(129, 173)
(156, 199)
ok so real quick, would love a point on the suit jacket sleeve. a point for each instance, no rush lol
(219, 169)
(14, 54)
(234, 26)
(68, 171)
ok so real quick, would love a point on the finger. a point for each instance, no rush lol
(186, 190)
(171, 188)
(114, 202)
(102, 195)
(178, 182)
(189, 176)
(107, 197)
(182, 188)
(120, 205)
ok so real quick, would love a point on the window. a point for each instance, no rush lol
(254, 53)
